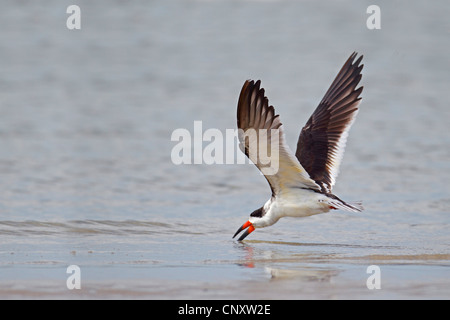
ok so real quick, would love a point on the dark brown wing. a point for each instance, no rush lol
(321, 143)
(260, 134)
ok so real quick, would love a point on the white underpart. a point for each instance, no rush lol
(295, 202)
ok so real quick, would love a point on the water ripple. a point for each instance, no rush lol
(89, 227)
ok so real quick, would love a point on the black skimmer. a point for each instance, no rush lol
(302, 184)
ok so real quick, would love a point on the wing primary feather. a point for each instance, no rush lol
(322, 140)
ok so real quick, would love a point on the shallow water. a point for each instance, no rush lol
(87, 178)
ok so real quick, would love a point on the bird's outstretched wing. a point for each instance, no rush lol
(322, 140)
(262, 139)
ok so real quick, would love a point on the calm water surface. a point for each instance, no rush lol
(87, 178)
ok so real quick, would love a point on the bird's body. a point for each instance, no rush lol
(299, 203)
(301, 183)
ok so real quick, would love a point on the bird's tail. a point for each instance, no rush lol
(353, 206)
(337, 203)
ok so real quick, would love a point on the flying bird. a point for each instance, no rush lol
(301, 183)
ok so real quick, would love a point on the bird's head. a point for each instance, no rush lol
(250, 228)
(258, 219)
